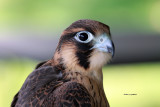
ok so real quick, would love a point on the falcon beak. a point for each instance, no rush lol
(104, 44)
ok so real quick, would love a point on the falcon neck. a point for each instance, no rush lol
(71, 66)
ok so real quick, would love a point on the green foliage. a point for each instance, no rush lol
(56, 14)
(13, 73)
(141, 79)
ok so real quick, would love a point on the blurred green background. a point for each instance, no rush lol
(123, 16)
(25, 25)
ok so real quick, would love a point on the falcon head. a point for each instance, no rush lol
(86, 45)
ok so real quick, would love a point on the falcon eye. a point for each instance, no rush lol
(84, 37)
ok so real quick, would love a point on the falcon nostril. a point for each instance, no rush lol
(101, 39)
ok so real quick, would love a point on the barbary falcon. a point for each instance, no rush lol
(73, 76)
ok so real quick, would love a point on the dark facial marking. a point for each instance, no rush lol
(83, 53)
(66, 38)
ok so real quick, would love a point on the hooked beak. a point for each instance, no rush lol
(104, 44)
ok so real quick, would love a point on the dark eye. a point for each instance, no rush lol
(84, 36)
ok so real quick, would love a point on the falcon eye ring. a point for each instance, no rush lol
(84, 37)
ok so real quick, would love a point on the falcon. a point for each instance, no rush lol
(73, 76)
